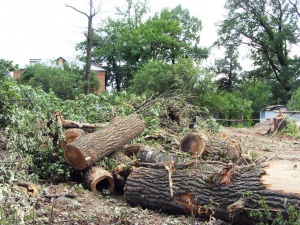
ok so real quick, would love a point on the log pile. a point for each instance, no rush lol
(201, 175)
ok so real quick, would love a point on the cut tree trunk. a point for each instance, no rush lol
(157, 155)
(223, 148)
(97, 179)
(71, 135)
(194, 143)
(69, 124)
(88, 149)
(279, 121)
(230, 195)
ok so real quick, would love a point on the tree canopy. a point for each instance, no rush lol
(270, 29)
(67, 82)
(6, 66)
(128, 42)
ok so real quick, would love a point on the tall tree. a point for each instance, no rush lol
(92, 13)
(270, 29)
(227, 69)
(128, 42)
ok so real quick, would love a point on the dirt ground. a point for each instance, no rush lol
(69, 203)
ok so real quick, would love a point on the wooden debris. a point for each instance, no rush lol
(194, 143)
(71, 135)
(29, 188)
(88, 149)
(206, 193)
(97, 179)
(279, 121)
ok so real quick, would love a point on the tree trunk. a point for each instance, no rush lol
(97, 179)
(279, 121)
(223, 148)
(230, 195)
(122, 170)
(194, 143)
(88, 149)
(71, 135)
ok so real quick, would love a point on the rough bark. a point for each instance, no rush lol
(223, 148)
(158, 155)
(97, 179)
(86, 150)
(229, 195)
(122, 170)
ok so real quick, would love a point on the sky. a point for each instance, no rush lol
(47, 29)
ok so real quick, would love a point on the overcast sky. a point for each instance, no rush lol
(46, 29)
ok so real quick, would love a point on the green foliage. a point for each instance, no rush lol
(291, 216)
(228, 68)
(25, 111)
(270, 30)
(294, 102)
(6, 67)
(258, 93)
(66, 82)
(226, 105)
(157, 77)
(127, 43)
(291, 129)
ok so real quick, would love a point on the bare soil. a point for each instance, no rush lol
(68, 203)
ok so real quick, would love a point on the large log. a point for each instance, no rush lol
(88, 149)
(219, 147)
(223, 148)
(97, 180)
(71, 135)
(230, 195)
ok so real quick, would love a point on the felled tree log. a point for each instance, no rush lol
(88, 149)
(219, 147)
(69, 124)
(122, 170)
(71, 135)
(97, 179)
(223, 148)
(229, 195)
(157, 155)
(194, 143)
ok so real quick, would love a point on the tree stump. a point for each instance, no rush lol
(279, 121)
(229, 195)
(88, 149)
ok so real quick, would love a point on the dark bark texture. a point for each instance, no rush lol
(88, 149)
(229, 195)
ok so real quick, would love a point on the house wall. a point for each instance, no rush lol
(101, 77)
(17, 74)
(264, 115)
(295, 117)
